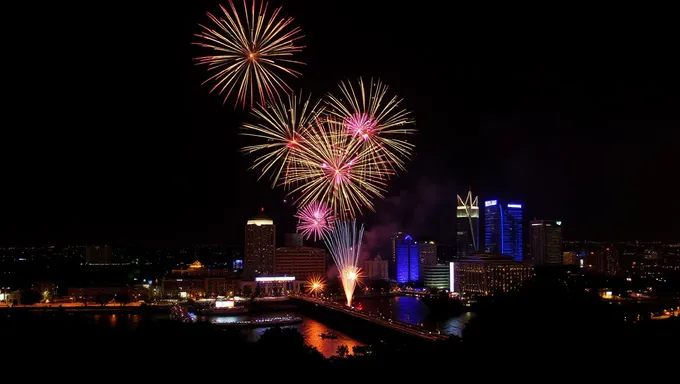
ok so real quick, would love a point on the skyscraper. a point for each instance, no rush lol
(260, 246)
(408, 260)
(503, 229)
(98, 254)
(396, 238)
(546, 242)
(428, 254)
(467, 225)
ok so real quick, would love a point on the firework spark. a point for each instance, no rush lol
(315, 284)
(375, 119)
(315, 220)
(344, 244)
(250, 50)
(336, 169)
(282, 128)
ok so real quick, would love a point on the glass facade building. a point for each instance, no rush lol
(503, 229)
(408, 260)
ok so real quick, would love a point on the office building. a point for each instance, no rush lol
(394, 239)
(260, 246)
(486, 274)
(428, 254)
(467, 225)
(503, 229)
(408, 260)
(294, 259)
(436, 276)
(197, 282)
(98, 255)
(570, 258)
(546, 242)
(376, 269)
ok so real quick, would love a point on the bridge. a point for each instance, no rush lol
(404, 328)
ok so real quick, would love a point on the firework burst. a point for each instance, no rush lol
(282, 128)
(315, 220)
(376, 120)
(344, 244)
(336, 169)
(315, 284)
(249, 52)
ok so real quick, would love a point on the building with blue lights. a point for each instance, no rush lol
(407, 259)
(503, 229)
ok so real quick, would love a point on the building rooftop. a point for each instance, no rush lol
(486, 257)
(260, 219)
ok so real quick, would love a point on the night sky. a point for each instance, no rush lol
(113, 139)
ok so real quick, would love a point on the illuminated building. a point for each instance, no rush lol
(570, 258)
(394, 240)
(546, 242)
(428, 254)
(197, 281)
(260, 246)
(408, 260)
(294, 259)
(613, 260)
(486, 274)
(503, 229)
(437, 276)
(467, 225)
(271, 285)
(98, 255)
(376, 269)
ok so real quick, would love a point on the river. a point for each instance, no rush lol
(403, 308)
(411, 309)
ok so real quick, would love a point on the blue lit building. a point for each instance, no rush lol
(503, 229)
(408, 260)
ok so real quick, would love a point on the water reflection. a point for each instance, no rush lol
(411, 309)
(115, 320)
(309, 328)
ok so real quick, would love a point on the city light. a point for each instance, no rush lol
(274, 279)
(452, 276)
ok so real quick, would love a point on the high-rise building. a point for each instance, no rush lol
(613, 260)
(408, 260)
(467, 225)
(260, 246)
(299, 261)
(396, 238)
(546, 242)
(98, 254)
(428, 254)
(376, 269)
(503, 229)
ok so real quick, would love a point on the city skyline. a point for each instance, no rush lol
(152, 157)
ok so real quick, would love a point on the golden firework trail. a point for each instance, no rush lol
(344, 245)
(250, 50)
(281, 128)
(374, 119)
(335, 169)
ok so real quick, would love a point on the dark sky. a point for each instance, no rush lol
(111, 137)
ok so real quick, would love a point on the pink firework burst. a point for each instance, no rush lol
(315, 220)
(361, 125)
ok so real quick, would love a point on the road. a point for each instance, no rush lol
(410, 329)
(75, 305)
